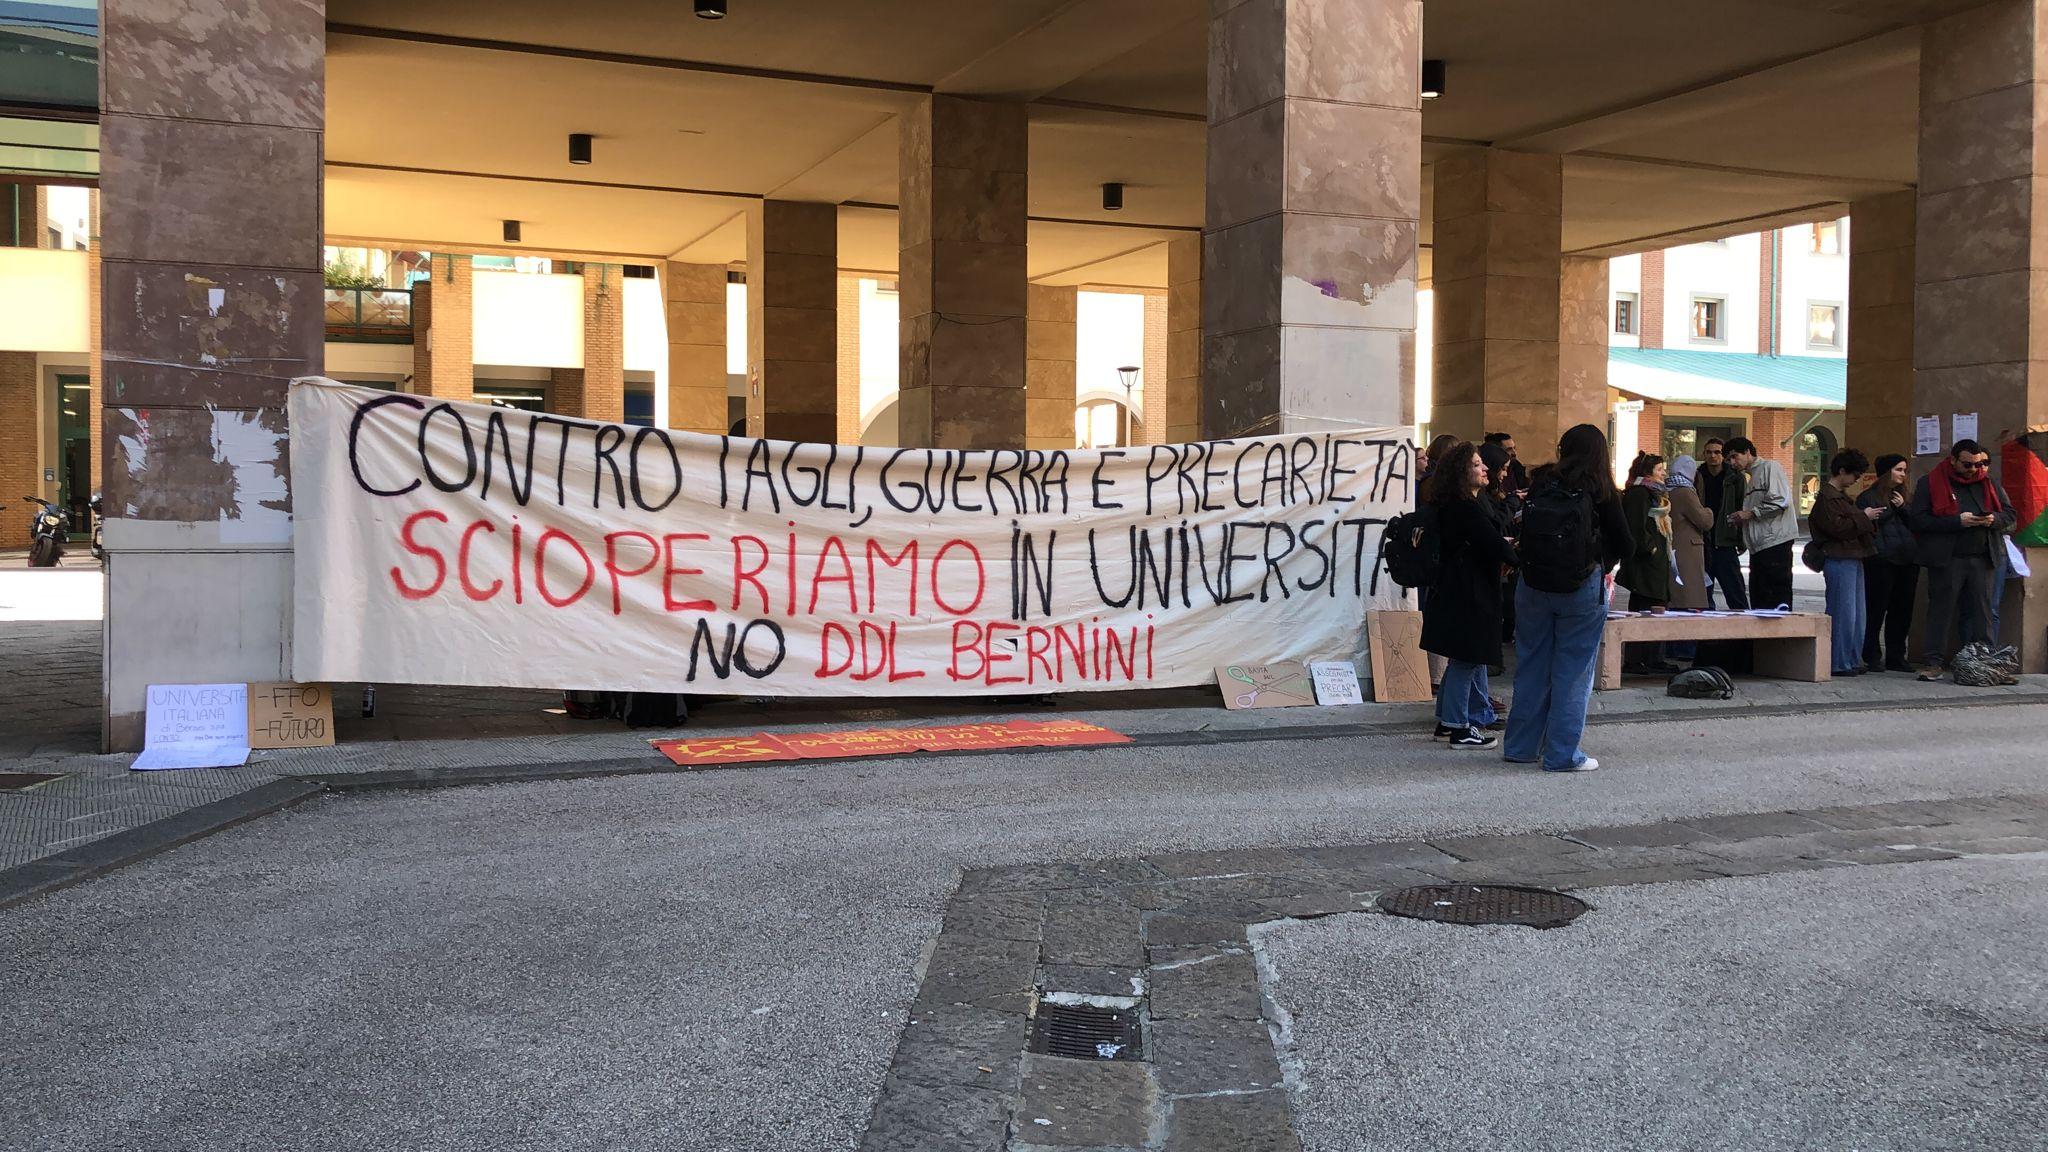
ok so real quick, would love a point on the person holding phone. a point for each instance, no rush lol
(1961, 516)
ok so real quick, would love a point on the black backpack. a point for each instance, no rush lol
(1560, 541)
(653, 709)
(1412, 548)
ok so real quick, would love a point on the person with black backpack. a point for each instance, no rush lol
(1573, 534)
(1461, 619)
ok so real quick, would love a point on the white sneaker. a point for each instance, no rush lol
(1586, 765)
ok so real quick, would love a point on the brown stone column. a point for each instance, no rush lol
(444, 330)
(1498, 278)
(1183, 392)
(1980, 261)
(1879, 418)
(210, 150)
(961, 222)
(792, 321)
(1152, 385)
(695, 300)
(1582, 323)
(604, 343)
(1314, 196)
(96, 363)
(20, 442)
(1049, 382)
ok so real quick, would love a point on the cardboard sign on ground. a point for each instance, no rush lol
(1336, 683)
(195, 726)
(1400, 671)
(285, 715)
(1282, 685)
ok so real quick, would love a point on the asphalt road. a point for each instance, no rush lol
(1894, 1007)
(721, 961)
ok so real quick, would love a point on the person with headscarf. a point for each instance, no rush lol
(1692, 526)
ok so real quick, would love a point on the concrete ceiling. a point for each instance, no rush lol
(1676, 122)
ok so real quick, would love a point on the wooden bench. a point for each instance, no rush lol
(1794, 647)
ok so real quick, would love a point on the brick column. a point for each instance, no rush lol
(1152, 385)
(1650, 302)
(444, 330)
(961, 221)
(1980, 261)
(695, 300)
(20, 442)
(1049, 383)
(1582, 324)
(604, 343)
(210, 149)
(1879, 418)
(1314, 198)
(1498, 278)
(1182, 409)
(792, 321)
(848, 361)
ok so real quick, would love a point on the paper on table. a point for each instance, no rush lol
(1965, 426)
(1927, 435)
(224, 754)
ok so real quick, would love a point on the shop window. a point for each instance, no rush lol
(1708, 314)
(1823, 325)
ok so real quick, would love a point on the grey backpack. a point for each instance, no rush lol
(1704, 683)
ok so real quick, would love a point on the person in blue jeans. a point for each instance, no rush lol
(1847, 535)
(1573, 534)
(1461, 619)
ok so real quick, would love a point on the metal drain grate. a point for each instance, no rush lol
(1485, 904)
(1085, 1032)
(23, 781)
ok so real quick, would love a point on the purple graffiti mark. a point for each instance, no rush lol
(1327, 287)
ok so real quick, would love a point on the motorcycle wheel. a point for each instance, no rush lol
(43, 553)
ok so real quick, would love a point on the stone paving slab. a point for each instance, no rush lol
(1210, 1079)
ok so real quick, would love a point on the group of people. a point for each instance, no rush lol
(1524, 557)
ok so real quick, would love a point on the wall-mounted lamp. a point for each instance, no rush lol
(1432, 79)
(711, 9)
(511, 231)
(579, 147)
(1112, 197)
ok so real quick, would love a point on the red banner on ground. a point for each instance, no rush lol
(762, 747)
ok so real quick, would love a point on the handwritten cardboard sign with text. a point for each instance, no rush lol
(290, 716)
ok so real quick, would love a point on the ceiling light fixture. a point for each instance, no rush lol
(711, 9)
(579, 147)
(511, 231)
(1432, 79)
(1112, 197)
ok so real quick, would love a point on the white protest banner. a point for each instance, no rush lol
(450, 543)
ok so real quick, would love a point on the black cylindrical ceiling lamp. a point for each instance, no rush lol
(711, 9)
(1112, 197)
(511, 231)
(1432, 79)
(579, 147)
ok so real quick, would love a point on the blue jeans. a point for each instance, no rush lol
(1848, 609)
(1465, 701)
(1557, 645)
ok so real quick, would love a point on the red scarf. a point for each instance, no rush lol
(1941, 488)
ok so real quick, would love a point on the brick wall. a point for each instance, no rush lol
(849, 360)
(1766, 265)
(1152, 385)
(1771, 428)
(1650, 301)
(604, 344)
(444, 331)
(20, 434)
(1649, 432)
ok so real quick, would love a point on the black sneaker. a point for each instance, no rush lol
(1445, 732)
(1473, 738)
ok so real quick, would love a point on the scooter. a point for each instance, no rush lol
(47, 533)
(99, 551)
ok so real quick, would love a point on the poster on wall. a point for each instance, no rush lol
(452, 543)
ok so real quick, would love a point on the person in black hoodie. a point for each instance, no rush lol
(1573, 534)
(1461, 620)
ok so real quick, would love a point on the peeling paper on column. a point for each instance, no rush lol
(245, 441)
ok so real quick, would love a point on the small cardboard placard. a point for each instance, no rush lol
(195, 726)
(1336, 683)
(1281, 685)
(1400, 672)
(284, 715)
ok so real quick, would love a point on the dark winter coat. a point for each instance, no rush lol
(1896, 543)
(1845, 531)
(1943, 538)
(1647, 569)
(1461, 618)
